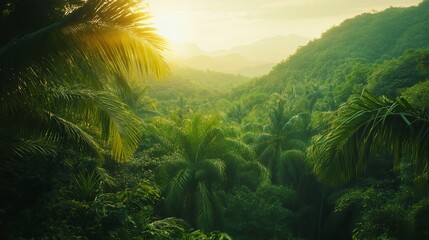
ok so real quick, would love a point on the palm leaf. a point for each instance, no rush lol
(101, 110)
(60, 130)
(110, 35)
(169, 169)
(216, 168)
(365, 125)
(249, 137)
(198, 136)
(292, 166)
(12, 148)
(267, 154)
(91, 47)
(176, 190)
(51, 128)
(264, 174)
(263, 140)
(252, 127)
(205, 215)
(242, 149)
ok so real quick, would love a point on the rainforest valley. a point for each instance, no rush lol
(101, 137)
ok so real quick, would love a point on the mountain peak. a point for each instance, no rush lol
(261, 55)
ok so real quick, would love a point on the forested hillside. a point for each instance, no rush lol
(101, 138)
(370, 38)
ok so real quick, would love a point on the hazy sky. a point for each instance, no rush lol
(221, 24)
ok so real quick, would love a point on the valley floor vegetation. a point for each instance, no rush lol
(333, 143)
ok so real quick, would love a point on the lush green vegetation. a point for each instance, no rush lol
(332, 144)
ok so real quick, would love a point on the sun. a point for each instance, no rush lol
(172, 27)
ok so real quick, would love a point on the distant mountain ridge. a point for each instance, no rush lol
(249, 60)
(273, 49)
(185, 50)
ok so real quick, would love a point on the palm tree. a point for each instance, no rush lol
(292, 168)
(59, 85)
(365, 125)
(280, 134)
(205, 159)
(236, 112)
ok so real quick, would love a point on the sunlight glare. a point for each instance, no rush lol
(172, 27)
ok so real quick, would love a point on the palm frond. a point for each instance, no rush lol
(292, 165)
(100, 110)
(267, 154)
(288, 127)
(213, 144)
(249, 137)
(264, 174)
(170, 134)
(105, 176)
(176, 190)
(200, 135)
(66, 133)
(263, 140)
(296, 144)
(91, 47)
(365, 125)
(123, 127)
(252, 127)
(242, 149)
(120, 127)
(12, 148)
(231, 131)
(51, 128)
(216, 168)
(110, 35)
(169, 169)
(205, 215)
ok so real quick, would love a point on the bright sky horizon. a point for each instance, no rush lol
(222, 24)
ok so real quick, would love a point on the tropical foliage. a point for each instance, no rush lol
(205, 159)
(368, 124)
(280, 134)
(62, 77)
(93, 147)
